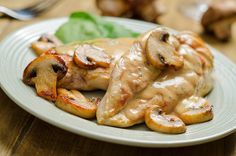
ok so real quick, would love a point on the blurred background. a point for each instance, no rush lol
(177, 14)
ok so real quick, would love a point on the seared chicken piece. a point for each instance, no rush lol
(159, 78)
(166, 91)
(57, 67)
(134, 72)
(81, 78)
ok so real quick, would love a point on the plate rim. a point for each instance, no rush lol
(104, 137)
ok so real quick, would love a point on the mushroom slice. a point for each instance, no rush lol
(50, 39)
(43, 72)
(45, 43)
(158, 121)
(194, 110)
(51, 52)
(40, 47)
(89, 57)
(75, 103)
(161, 51)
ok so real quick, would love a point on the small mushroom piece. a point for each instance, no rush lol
(50, 52)
(218, 19)
(43, 72)
(50, 39)
(75, 103)
(173, 41)
(40, 47)
(89, 57)
(160, 52)
(196, 43)
(45, 43)
(194, 110)
(158, 121)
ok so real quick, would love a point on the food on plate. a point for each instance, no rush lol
(128, 97)
(88, 56)
(96, 78)
(44, 73)
(83, 26)
(199, 112)
(44, 43)
(161, 50)
(74, 76)
(158, 121)
(159, 78)
(74, 102)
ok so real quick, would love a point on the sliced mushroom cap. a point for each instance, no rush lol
(39, 47)
(194, 41)
(174, 42)
(45, 43)
(194, 110)
(74, 102)
(43, 72)
(161, 50)
(89, 57)
(50, 39)
(158, 121)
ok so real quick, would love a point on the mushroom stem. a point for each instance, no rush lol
(44, 86)
(43, 72)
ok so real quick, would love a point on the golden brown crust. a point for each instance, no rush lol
(90, 57)
(158, 121)
(74, 102)
(44, 72)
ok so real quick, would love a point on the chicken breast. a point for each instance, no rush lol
(128, 97)
(98, 78)
(159, 78)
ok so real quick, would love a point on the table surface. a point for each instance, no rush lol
(23, 134)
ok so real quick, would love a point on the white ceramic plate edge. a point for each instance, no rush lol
(114, 139)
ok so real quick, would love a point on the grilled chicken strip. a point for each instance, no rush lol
(81, 78)
(100, 54)
(122, 108)
(159, 78)
(98, 78)
(134, 72)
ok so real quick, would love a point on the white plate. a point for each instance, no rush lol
(15, 54)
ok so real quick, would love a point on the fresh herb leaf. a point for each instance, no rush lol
(84, 26)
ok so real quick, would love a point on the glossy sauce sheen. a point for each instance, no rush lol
(166, 90)
(82, 79)
(135, 82)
